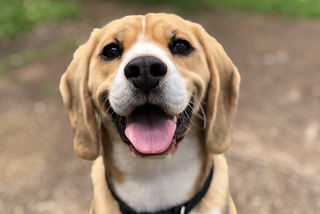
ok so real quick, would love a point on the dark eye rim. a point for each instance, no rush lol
(188, 50)
(109, 46)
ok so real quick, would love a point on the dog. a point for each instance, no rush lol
(151, 100)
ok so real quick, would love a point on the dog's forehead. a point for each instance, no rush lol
(155, 27)
(166, 22)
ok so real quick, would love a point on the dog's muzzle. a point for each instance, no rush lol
(149, 129)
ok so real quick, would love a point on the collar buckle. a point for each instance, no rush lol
(182, 210)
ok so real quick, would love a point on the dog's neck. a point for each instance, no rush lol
(154, 184)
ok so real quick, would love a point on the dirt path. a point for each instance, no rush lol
(274, 160)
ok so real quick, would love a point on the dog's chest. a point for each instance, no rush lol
(156, 184)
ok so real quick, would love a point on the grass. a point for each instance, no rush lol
(285, 8)
(17, 17)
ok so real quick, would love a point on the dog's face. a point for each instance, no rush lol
(147, 75)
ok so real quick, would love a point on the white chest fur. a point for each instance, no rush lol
(155, 184)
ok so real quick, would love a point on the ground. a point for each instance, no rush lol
(274, 158)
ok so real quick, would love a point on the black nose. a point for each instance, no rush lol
(145, 72)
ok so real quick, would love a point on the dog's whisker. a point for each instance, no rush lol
(103, 90)
(96, 95)
(89, 99)
(102, 120)
(112, 111)
(204, 117)
(199, 116)
(193, 123)
(105, 98)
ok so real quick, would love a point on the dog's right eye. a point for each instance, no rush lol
(110, 52)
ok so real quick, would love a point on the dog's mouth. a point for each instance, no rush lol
(148, 130)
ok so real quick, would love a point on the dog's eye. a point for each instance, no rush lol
(110, 52)
(181, 47)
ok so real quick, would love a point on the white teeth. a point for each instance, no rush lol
(175, 119)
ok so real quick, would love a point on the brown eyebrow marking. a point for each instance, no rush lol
(118, 37)
(171, 34)
(118, 40)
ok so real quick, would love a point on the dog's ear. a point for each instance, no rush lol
(222, 93)
(76, 97)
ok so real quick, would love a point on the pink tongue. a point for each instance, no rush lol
(150, 131)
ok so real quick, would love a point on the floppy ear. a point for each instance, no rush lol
(76, 97)
(222, 94)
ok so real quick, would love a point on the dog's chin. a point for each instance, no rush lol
(150, 132)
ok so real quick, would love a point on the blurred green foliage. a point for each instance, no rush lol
(28, 56)
(286, 8)
(47, 90)
(180, 5)
(19, 16)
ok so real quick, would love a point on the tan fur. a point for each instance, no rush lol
(219, 188)
(103, 201)
(208, 73)
(76, 97)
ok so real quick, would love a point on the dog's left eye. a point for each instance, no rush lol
(181, 47)
(110, 52)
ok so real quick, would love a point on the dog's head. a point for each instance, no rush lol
(147, 75)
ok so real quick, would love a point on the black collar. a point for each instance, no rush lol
(181, 209)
